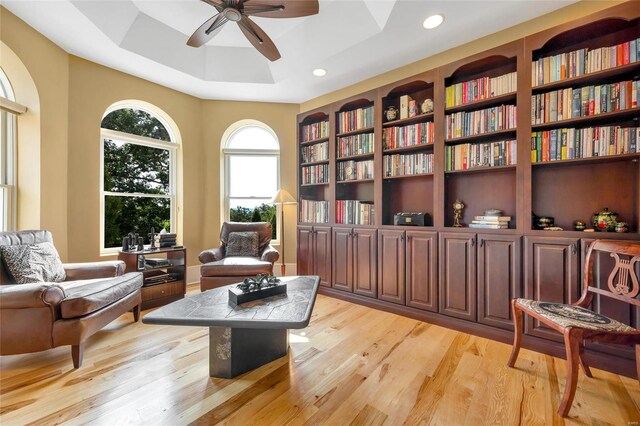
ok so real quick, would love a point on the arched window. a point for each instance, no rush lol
(138, 152)
(7, 156)
(251, 173)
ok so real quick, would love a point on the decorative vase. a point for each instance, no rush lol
(427, 106)
(605, 221)
(622, 227)
(391, 113)
(580, 225)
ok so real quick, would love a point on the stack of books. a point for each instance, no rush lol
(165, 240)
(151, 263)
(491, 220)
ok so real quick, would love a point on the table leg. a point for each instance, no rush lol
(233, 351)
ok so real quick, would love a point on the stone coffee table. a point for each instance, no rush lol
(246, 336)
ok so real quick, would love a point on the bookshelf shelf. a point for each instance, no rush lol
(314, 184)
(409, 120)
(313, 163)
(355, 132)
(342, 182)
(484, 169)
(603, 159)
(418, 147)
(629, 113)
(313, 142)
(415, 175)
(507, 98)
(594, 77)
(482, 137)
(356, 157)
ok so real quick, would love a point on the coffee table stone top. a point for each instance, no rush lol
(212, 309)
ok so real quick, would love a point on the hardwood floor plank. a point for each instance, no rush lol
(352, 365)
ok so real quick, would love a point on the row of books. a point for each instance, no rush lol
(355, 170)
(315, 174)
(311, 132)
(400, 137)
(480, 88)
(408, 164)
(490, 222)
(164, 240)
(472, 123)
(583, 61)
(489, 154)
(314, 211)
(355, 212)
(317, 152)
(360, 118)
(569, 103)
(567, 144)
(355, 145)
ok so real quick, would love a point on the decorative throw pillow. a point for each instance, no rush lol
(33, 263)
(242, 244)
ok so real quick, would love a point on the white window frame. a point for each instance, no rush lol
(8, 145)
(245, 152)
(117, 136)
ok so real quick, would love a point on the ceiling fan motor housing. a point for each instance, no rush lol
(232, 14)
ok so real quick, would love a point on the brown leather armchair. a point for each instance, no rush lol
(218, 270)
(39, 316)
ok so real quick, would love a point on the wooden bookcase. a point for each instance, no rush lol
(465, 277)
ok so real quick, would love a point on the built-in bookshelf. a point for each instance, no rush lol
(314, 176)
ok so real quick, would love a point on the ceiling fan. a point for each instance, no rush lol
(238, 11)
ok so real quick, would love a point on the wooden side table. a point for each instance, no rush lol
(164, 271)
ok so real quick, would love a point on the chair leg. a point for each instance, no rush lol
(638, 361)
(517, 333)
(572, 342)
(583, 363)
(136, 313)
(77, 351)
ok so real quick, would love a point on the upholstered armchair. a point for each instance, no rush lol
(42, 315)
(220, 269)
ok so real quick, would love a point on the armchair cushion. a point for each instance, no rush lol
(86, 296)
(236, 267)
(242, 244)
(33, 263)
(90, 270)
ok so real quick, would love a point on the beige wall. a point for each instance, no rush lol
(574, 11)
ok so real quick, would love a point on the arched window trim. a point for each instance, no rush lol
(172, 146)
(228, 152)
(8, 127)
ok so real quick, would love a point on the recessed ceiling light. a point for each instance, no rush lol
(433, 21)
(319, 72)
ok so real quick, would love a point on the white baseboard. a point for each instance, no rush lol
(193, 272)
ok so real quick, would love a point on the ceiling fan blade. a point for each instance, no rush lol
(207, 31)
(272, 8)
(218, 4)
(259, 39)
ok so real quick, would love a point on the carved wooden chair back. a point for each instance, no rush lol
(622, 283)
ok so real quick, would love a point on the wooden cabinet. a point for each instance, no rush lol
(552, 275)
(314, 252)
(457, 253)
(391, 266)
(421, 270)
(499, 278)
(354, 260)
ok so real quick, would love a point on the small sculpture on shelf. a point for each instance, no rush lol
(457, 213)
(622, 227)
(579, 225)
(132, 242)
(427, 106)
(152, 239)
(391, 113)
(605, 221)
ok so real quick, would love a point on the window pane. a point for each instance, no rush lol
(135, 168)
(4, 209)
(253, 176)
(134, 214)
(252, 137)
(252, 210)
(135, 122)
(4, 148)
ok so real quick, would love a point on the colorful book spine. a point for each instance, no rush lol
(314, 211)
(355, 212)
(315, 153)
(408, 164)
(362, 143)
(354, 170)
(480, 89)
(315, 174)
(473, 123)
(314, 131)
(361, 118)
(400, 137)
(489, 154)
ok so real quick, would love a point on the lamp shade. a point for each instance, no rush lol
(282, 197)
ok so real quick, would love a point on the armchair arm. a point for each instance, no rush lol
(211, 255)
(270, 254)
(91, 270)
(35, 295)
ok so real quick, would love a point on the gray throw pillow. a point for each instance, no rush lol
(242, 244)
(33, 263)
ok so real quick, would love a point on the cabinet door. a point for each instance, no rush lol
(499, 259)
(322, 254)
(391, 269)
(458, 275)
(551, 275)
(365, 249)
(342, 253)
(421, 267)
(305, 250)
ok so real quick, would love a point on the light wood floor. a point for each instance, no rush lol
(352, 365)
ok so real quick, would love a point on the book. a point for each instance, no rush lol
(404, 106)
(493, 218)
(487, 226)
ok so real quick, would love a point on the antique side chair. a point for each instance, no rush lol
(577, 323)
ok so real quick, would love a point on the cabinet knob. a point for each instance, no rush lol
(482, 243)
(402, 237)
(473, 242)
(574, 249)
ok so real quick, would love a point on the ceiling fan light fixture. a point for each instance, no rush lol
(232, 14)
(319, 72)
(433, 21)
